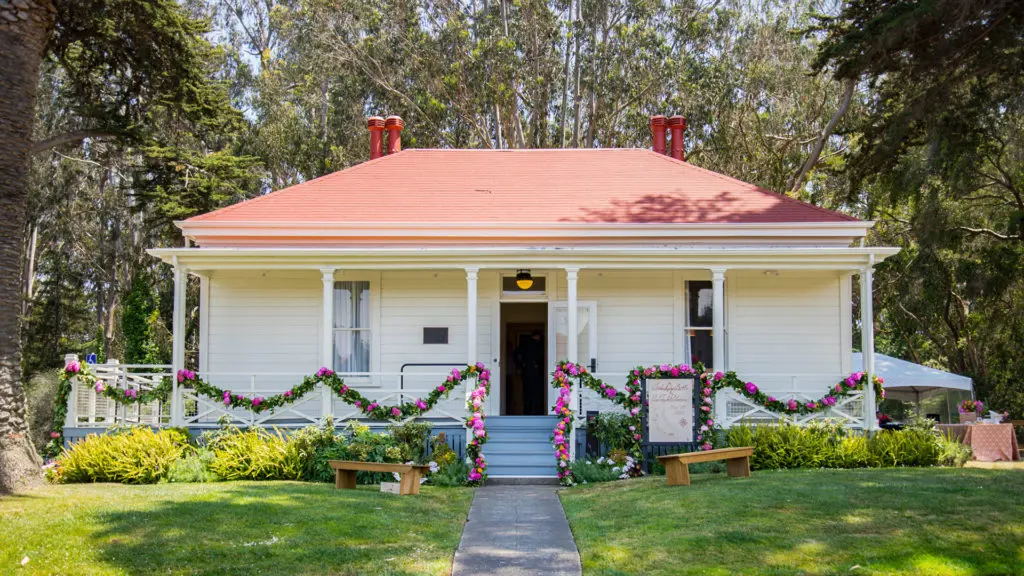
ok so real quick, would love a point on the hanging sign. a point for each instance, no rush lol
(671, 418)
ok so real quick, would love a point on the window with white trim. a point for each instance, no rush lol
(698, 323)
(352, 335)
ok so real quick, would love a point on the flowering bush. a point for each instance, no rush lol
(970, 406)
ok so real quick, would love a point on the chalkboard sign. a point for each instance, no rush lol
(670, 415)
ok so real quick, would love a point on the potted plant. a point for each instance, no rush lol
(969, 410)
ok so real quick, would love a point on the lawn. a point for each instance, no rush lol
(230, 528)
(928, 522)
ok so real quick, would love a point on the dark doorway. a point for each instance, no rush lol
(525, 358)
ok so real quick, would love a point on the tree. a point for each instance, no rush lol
(134, 74)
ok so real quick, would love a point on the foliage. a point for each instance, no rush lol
(137, 324)
(255, 454)
(599, 470)
(611, 429)
(970, 405)
(453, 473)
(310, 444)
(908, 521)
(266, 528)
(413, 437)
(320, 469)
(953, 452)
(131, 456)
(830, 445)
(193, 466)
(40, 399)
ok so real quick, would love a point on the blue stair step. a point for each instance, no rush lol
(518, 436)
(496, 448)
(520, 471)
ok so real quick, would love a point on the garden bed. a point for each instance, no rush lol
(230, 528)
(923, 521)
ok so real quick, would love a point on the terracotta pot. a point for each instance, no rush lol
(966, 417)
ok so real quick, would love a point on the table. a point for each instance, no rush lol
(989, 442)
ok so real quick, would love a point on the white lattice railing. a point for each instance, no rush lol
(89, 409)
(740, 410)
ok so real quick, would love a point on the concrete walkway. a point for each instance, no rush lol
(516, 531)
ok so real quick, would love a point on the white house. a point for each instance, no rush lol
(402, 267)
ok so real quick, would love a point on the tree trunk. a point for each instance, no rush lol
(24, 28)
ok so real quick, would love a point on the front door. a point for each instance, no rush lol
(558, 337)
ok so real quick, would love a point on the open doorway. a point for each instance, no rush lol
(524, 353)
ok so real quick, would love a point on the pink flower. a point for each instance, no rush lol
(257, 401)
(421, 404)
(73, 367)
(706, 446)
(880, 379)
(479, 365)
(665, 367)
(456, 374)
(396, 412)
(707, 391)
(751, 388)
(772, 399)
(710, 422)
(324, 371)
(792, 405)
(54, 434)
(812, 405)
(636, 436)
(440, 388)
(674, 371)
(99, 387)
(287, 393)
(610, 393)
(479, 432)
(371, 406)
(719, 376)
(705, 408)
(359, 404)
(474, 476)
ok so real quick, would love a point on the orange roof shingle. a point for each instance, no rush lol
(524, 186)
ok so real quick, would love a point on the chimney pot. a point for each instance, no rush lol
(677, 124)
(658, 130)
(376, 126)
(394, 125)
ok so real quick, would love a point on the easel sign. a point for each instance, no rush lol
(670, 415)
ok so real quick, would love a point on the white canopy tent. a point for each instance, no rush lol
(912, 382)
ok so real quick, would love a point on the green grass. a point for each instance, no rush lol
(230, 528)
(928, 522)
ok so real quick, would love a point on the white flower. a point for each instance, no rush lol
(434, 467)
(588, 463)
(615, 469)
(600, 460)
(397, 477)
(624, 476)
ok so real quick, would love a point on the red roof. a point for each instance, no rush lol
(524, 186)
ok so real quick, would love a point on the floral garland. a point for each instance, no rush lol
(325, 376)
(710, 383)
(628, 399)
(125, 396)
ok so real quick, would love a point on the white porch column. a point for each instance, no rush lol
(71, 417)
(718, 336)
(471, 306)
(572, 346)
(327, 339)
(867, 346)
(178, 328)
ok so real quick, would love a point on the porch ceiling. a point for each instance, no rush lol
(654, 257)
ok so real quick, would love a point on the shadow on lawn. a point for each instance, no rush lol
(906, 521)
(282, 528)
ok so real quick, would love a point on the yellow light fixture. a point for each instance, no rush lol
(524, 280)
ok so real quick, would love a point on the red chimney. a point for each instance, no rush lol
(376, 126)
(677, 124)
(394, 125)
(658, 129)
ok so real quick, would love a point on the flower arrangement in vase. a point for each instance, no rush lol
(969, 410)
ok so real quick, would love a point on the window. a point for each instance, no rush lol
(698, 322)
(352, 335)
(435, 335)
(508, 285)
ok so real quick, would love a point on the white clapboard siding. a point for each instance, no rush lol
(634, 323)
(263, 322)
(785, 331)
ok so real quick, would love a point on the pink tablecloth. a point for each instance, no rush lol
(989, 442)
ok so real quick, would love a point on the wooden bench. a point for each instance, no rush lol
(677, 466)
(409, 474)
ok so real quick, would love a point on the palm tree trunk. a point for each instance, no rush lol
(24, 29)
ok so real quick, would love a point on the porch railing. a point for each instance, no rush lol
(87, 408)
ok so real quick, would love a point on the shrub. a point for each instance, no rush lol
(611, 429)
(193, 467)
(952, 452)
(452, 474)
(255, 454)
(412, 438)
(827, 445)
(130, 456)
(320, 470)
(600, 470)
(307, 445)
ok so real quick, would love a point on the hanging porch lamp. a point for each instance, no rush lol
(524, 280)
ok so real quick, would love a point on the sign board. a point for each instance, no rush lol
(671, 418)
